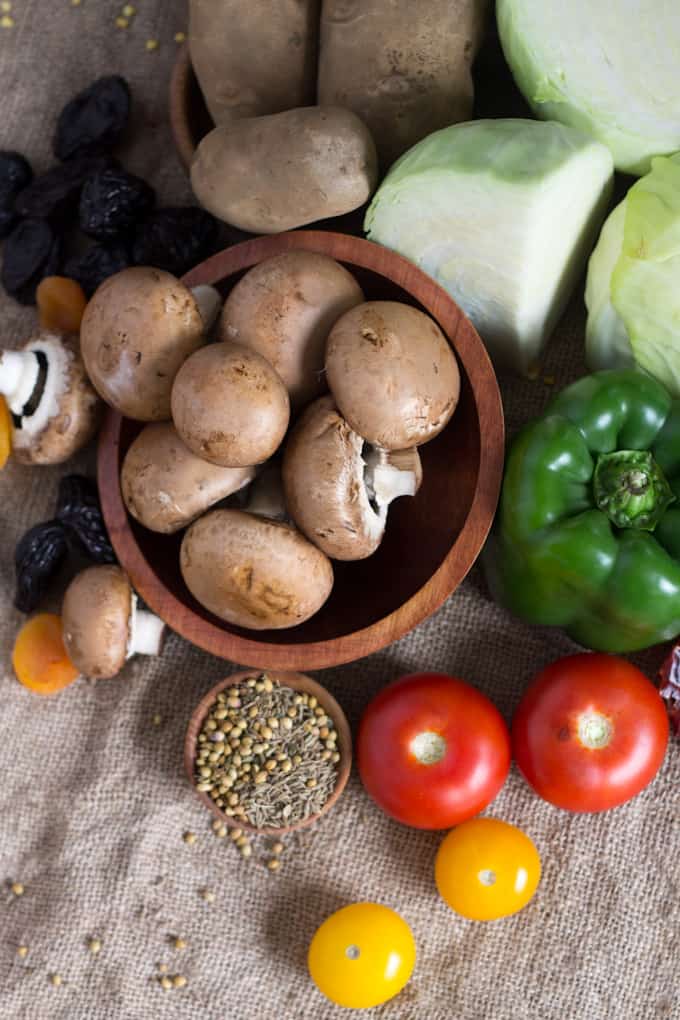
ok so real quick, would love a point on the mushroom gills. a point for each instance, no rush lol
(389, 475)
(146, 631)
(34, 380)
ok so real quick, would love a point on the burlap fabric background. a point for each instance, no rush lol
(93, 802)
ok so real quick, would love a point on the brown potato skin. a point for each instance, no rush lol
(80, 414)
(402, 65)
(254, 58)
(393, 374)
(138, 329)
(96, 620)
(252, 572)
(269, 174)
(229, 406)
(284, 308)
(166, 487)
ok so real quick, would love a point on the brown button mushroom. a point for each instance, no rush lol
(393, 375)
(55, 409)
(102, 625)
(338, 489)
(229, 406)
(138, 329)
(284, 309)
(253, 572)
(165, 486)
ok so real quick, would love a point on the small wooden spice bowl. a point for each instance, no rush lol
(297, 682)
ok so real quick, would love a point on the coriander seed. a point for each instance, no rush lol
(236, 834)
(189, 838)
(55, 980)
(95, 946)
(273, 864)
(277, 849)
(165, 982)
(179, 981)
(179, 943)
(22, 951)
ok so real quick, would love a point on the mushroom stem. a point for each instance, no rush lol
(19, 371)
(146, 632)
(209, 302)
(265, 495)
(390, 474)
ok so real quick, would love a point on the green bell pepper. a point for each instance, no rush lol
(588, 531)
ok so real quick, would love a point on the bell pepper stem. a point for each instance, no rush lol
(630, 487)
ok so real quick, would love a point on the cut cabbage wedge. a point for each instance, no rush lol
(503, 214)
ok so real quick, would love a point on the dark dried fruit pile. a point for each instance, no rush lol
(90, 189)
(78, 524)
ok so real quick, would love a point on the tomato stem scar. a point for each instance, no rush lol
(428, 748)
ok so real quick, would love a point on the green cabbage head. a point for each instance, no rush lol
(633, 283)
(608, 67)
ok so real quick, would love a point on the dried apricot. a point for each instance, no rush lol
(61, 304)
(5, 432)
(39, 657)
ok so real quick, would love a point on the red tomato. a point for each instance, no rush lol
(432, 751)
(590, 732)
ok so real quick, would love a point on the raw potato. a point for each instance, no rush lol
(402, 65)
(254, 58)
(165, 486)
(268, 174)
(284, 309)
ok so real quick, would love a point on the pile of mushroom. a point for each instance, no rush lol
(268, 505)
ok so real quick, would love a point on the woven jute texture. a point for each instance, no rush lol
(93, 801)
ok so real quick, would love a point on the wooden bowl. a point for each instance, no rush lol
(298, 682)
(431, 540)
(189, 117)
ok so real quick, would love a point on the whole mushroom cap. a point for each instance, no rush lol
(253, 572)
(393, 374)
(96, 621)
(165, 486)
(138, 329)
(284, 309)
(328, 481)
(229, 406)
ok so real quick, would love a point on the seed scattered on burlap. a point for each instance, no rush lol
(22, 951)
(165, 982)
(277, 849)
(122, 22)
(151, 45)
(76, 3)
(18, 889)
(55, 980)
(95, 946)
(208, 895)
(179, 943)
(179, 981)
(279, 763)
(163, 968)
(6, 21)
(189, 838)
(6, 6)
(129, 11)
(180, 37)
(157, 719)
(273, 864)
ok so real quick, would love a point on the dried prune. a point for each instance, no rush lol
(32, 251)
(94, 120)
(37, 558)
(15, 174)
(175, 239)
(54, 195)
(112, 202)
(79, 510)
(97, 264)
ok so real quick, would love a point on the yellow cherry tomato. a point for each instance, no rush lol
(362, 955)
(486, 869)
(5, 432)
